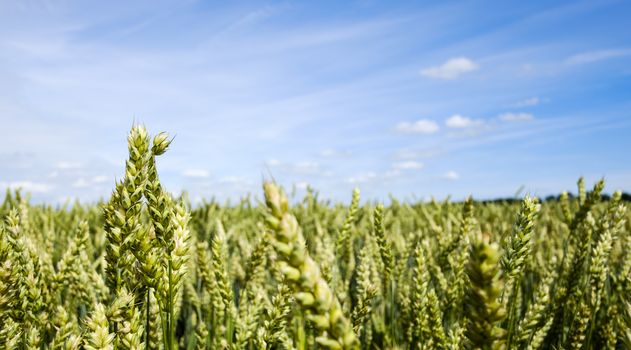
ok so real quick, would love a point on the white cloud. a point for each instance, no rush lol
(195, 173)
(516, 117)
(452, 175)
(421, 126)
(409, 165)
(362, 178)
(599, 55)
(400, 167)
(458, 121)
(533, 101)
(83, 183)
(28, 186)
(99, 179)
(411, 154)
(451, 69)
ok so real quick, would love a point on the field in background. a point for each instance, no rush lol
(147, 270)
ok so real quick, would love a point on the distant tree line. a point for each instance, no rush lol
(626, 197)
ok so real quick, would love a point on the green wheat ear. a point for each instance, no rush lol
(484, 311)
(99, 337)
(517, 251)
(385, 249)
(310, 289)
(344, 243)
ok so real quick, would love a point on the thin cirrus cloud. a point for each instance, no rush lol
(421, 126)
(451, 69)
(196, 173)
(86, 183)
(331, 152)
(516, 117)
(100, 179)
(28, 186)
(529, 102)
(598, 55)
(362, 178)
(408, 165)
(402, 169)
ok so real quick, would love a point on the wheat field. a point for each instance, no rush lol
(147, 270)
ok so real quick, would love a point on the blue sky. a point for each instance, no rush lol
(413, 99)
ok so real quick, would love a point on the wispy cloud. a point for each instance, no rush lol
(85, 183)
(451, 69)
(407, 154)
(529, 102)
(397, 170)
(451, 175)
(516, 117)
(362, 178)
(421, 126)
(196, 173)
(28, 186)
(100, 179)
(598, 55)
(408, 165)
(331, 152)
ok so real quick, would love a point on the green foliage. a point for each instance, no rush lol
(145, 270)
